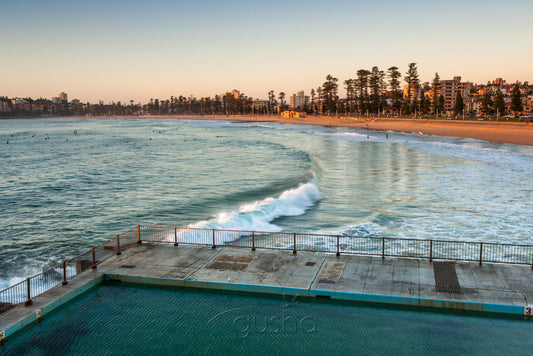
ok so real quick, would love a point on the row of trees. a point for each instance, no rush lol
(373, 91)
(377, 91)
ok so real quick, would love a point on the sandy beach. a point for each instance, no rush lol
(518, 133)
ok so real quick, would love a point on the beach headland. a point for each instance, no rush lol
(518, 133)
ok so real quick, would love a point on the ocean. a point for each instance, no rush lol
(68, 184)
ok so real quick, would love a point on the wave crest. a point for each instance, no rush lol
(258, 216)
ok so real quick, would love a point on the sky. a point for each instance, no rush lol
(122, 50)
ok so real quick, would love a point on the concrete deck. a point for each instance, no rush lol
(487, 288)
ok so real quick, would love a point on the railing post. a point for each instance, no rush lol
(118, 245)
(430, 251)
(139, 234)
(338, 251)
(480, 253)
(382, 248)
(294, 244)
(94, 260)
(253, 240)
(28, 301)
(214, 244)
(175, 236)
(65, 282)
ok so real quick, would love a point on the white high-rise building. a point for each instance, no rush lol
(298, 100)
(64, 97)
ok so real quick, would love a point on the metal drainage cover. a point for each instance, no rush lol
(310, 263)
(446, 277)
(326, 281)
(127, 266)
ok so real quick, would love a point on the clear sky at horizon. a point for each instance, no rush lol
(130, 49)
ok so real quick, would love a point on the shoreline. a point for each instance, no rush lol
(518, 133)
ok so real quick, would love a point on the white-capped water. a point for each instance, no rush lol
(258, 216)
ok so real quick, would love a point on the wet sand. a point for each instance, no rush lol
(518, 133)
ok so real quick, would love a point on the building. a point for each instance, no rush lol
(259, 104)
(64, 97)
(498, 82)
(291, 114)
(298, 100)
(4, 106)
(21, 104)
(414, 92)
(235, 93)
(449, 89)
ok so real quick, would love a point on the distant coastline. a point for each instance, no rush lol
(518, 133)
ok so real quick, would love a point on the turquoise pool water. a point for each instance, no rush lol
(134, 320)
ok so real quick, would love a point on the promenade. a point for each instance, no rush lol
(492, 288)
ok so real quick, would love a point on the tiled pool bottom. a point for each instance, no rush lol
(136, 320)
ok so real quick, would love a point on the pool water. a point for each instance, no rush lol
(136, 320)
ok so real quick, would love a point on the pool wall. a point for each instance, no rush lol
(40, 313)
(323, 294)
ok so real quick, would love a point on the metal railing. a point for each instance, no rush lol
(480, 252)
(60, 274)
(375, 246)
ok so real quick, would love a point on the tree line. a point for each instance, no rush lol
(371, 92)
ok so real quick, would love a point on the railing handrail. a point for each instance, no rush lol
(252, 233)
(335, 235)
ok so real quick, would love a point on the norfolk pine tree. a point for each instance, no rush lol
(499, 102)
(459, 104)
(516, 100)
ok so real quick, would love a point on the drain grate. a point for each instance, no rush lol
(446, 277)
(127, 266)
(326, 281)
(310, 263)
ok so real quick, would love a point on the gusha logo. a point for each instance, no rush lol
(245, 322)
(244, 325)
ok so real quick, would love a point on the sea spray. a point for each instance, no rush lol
(258, 216)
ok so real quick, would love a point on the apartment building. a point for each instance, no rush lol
(298, 100)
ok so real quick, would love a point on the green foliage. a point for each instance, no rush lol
(459, 104)
(516, 99)
(499, 102)
(435, 91)
(329, 92)
(486, 101)
(394, 83)
(425, 105)
(411, 78)
(440, 106)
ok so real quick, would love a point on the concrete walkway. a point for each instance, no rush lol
(489, 283)
(468, 286)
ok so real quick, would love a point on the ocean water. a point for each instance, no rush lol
(68, 184)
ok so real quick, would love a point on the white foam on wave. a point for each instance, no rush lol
(352, 136)
(258, 216)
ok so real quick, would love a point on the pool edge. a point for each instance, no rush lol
(48, 308)
(328, 294)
